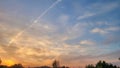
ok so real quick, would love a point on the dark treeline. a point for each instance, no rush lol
(13, 66)
(102, 64)
(55, 64)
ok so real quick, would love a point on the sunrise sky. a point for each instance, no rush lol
(75, 32)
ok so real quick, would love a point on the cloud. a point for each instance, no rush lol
(107, 7)
(85, 15)
(96, 9)
(39, 46)
(41, 15)
(76, 30)
(87, 42)
(104, 30)
(2, 51)
(63, 18)
(28, 44)
(110, 39)
(113, 29)
(35, 45)
(98, 30)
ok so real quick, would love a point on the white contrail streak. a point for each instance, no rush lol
(47, 10)
(35, 21)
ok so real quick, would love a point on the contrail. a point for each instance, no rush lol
(35, 21)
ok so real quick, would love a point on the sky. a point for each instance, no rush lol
(75, 32)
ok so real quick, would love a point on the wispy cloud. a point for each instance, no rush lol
(87, 42)
(41, 41)
(85, 15)
(111, 39)
(97, 9)
(63, 18)
(98, 30)
(113, 29)
(104, 30)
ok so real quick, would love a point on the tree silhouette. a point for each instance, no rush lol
(0, 61)
(55, 64)
(102, 64)
(16, 66)
(63, 67)
(2, 66)
(90, 66)
(99, 64)
(44, 67)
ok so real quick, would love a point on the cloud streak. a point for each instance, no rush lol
(105, 30)
(87, 42)
(97, 9)
(86, 15)
(35, 21)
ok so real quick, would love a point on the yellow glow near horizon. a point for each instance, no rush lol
(9, 62)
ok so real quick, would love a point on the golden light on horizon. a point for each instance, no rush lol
(9, 62)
